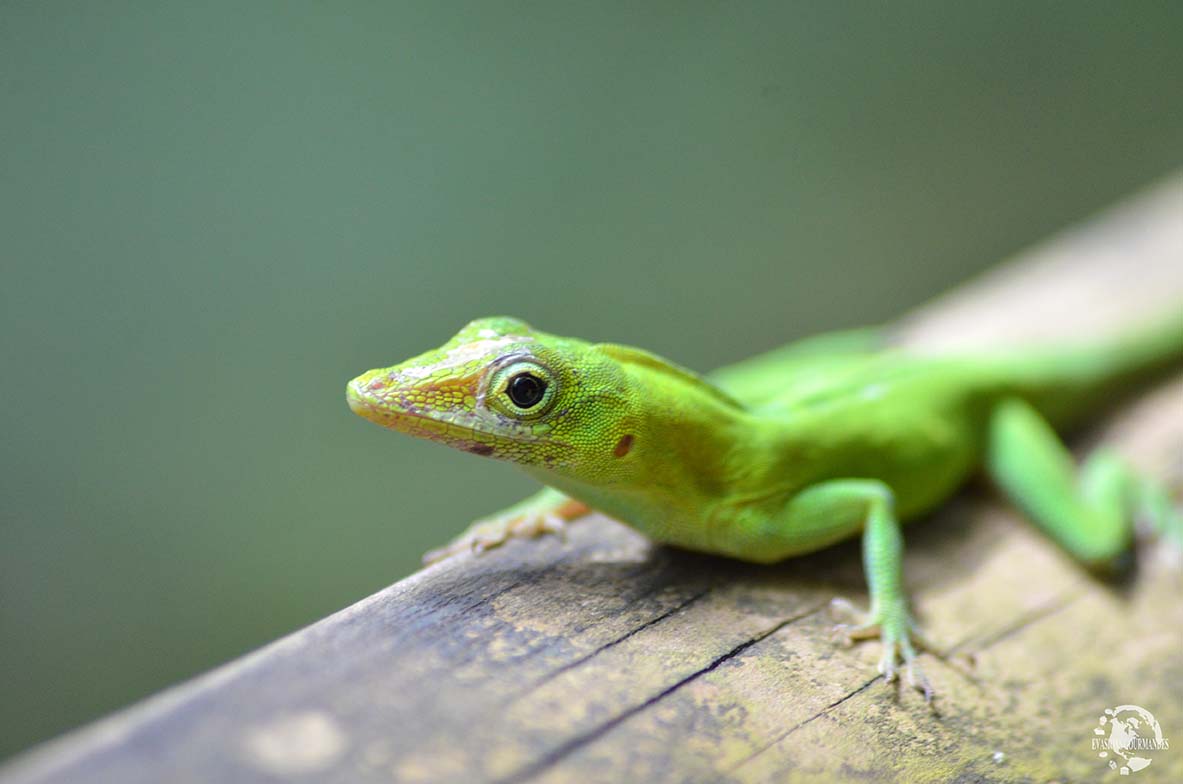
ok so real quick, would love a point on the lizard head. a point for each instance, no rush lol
(502, 389)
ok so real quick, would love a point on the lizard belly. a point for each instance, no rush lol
(923, 453)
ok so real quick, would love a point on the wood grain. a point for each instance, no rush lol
(604, 658)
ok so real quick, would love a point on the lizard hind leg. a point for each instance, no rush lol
(1143, 504)
(1091, 513)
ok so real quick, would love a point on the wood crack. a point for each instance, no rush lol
(612, 643)
(802, 723)
(1023, 622)
(1019, 624)
(557, 754)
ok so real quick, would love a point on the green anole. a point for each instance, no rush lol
(785, 453)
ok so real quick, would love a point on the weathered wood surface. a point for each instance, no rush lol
(607, 659)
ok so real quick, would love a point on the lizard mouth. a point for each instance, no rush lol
(458, 429)
(396, 413)
(400, 407)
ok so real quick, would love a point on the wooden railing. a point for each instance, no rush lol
(603, 658)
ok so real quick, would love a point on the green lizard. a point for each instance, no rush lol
(786, 453)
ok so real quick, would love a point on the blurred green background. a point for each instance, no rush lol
(213, 214)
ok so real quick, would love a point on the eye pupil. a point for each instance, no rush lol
(526, 390)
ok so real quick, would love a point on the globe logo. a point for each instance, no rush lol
(1128, 736)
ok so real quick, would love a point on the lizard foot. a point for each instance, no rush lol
(1174, 481)
(1160, 516)
(496, 531)
(1171, 536)
(895, 627)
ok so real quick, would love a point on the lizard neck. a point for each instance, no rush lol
(686, 451)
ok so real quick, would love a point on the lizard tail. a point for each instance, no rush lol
(1069, 383)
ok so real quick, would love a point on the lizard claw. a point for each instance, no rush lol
(862, 627)
(843, 608)
(496, 531)
(918, 680)
(898, 632)
(893, 652)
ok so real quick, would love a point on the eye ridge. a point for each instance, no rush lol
(526, 390)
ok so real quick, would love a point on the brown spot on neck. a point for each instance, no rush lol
(623, 446)
(484, 450)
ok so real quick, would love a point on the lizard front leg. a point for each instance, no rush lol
(889, 618)
(829, 512)
(545, 512)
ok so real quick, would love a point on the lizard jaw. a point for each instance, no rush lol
(395, 406)
(450, 428)
(457, 429)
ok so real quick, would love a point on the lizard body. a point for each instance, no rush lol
(784, 453)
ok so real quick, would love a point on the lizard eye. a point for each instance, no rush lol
(526, 390)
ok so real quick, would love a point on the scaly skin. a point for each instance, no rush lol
(783, 454)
